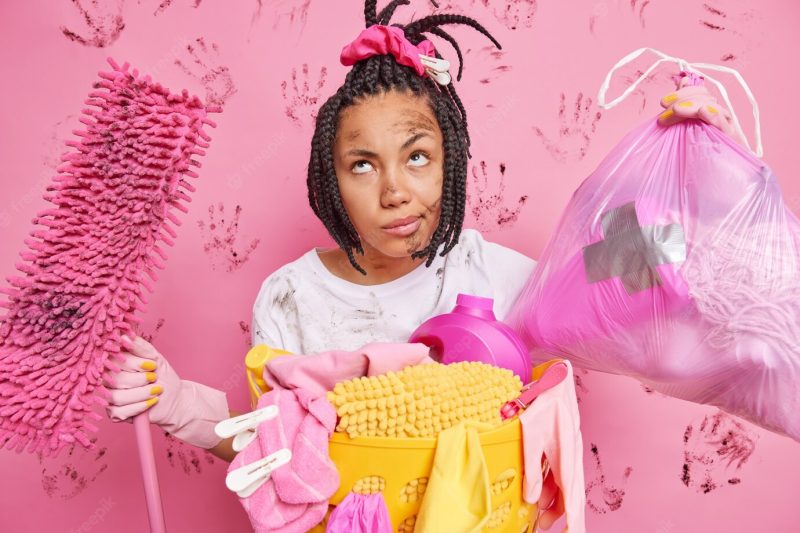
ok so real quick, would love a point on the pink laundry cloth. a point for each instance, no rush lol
(360, 513)
(295, 497)
(305, 424)
(319, 372)
(551, 427)
(266, 511)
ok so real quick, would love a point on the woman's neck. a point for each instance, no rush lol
(380, 268)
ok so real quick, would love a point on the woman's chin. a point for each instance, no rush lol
(399, 247)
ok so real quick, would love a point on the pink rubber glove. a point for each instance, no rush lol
(551, 502)
(147, 382)
(692, 100)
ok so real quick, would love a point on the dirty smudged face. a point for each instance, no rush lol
(389, 160)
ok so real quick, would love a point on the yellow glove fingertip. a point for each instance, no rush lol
(151, 401)
(151, 377)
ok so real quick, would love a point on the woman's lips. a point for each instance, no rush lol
(405, 230)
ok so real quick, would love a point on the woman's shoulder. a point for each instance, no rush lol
(474, 248)
(283, 282)
(493, 270)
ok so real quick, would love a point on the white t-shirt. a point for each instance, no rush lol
(303, 308)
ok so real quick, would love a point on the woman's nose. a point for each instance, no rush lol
(394, 192)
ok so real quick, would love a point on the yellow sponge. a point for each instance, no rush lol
(423, 400)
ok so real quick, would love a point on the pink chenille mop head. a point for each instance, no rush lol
(86, 264)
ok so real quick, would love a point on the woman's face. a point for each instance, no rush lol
(389, 162)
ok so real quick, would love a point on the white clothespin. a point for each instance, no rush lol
(245, 480)
(244, 426)
(437, 69)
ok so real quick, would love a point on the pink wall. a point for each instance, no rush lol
(270, 65)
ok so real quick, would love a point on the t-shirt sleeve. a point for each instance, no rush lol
(266, 325)
(507, 271)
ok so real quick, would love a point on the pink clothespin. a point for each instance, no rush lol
(555, 374)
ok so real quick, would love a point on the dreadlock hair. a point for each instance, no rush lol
(378, 74)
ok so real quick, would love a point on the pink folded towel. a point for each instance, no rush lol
(295, 498)
(304, 426)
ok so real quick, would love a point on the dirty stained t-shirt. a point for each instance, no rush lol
(303, 308)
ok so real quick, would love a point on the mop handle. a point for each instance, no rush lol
(147, 461)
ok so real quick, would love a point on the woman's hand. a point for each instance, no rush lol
(694, 101)
(144, 377)
(147, 382)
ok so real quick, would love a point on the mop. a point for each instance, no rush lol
(88, 260)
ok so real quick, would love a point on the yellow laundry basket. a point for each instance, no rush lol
(401, 466)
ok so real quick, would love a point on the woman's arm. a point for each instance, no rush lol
(224, 450)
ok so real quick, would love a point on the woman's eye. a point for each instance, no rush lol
(419, 159)
(360, 168)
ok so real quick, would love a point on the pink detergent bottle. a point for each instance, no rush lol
(472, 333)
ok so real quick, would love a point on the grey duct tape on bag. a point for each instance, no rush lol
(631, 252)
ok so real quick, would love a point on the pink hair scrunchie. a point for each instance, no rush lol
(383, 40)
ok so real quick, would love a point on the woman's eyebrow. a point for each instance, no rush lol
(361, 152)
(411, 140)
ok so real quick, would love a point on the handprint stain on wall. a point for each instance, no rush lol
(168, 3)
(661, 79)
(637, 8)
(514, 14)
(715, 18)
(575, 131)
(245, 329)
(68, 477)
(293, 13)
(714, 450)
(302, 96)
(610, 497)
(202, 64)
(451, 6)
(186, 457)
(732, 20)
(60, 134)
(488, 205)
(219, 239)
(487, 62)
(580, 386)
(104, 23)
(150, 336)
